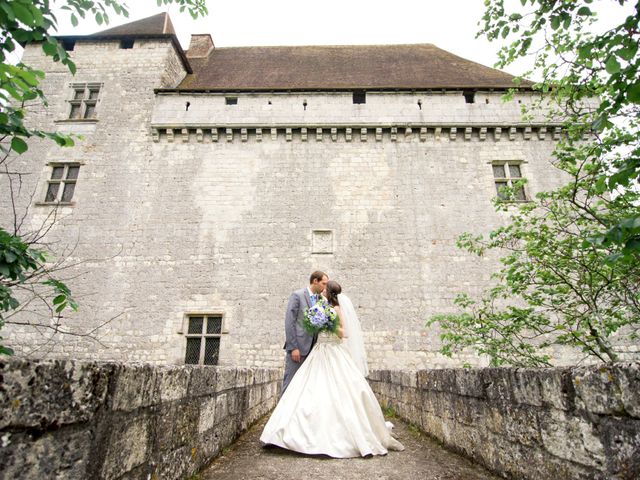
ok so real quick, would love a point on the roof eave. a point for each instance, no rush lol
(343, 89)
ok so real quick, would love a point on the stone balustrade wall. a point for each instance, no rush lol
(73, 420)
(560, 423)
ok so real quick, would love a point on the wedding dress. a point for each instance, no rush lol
(329, 407)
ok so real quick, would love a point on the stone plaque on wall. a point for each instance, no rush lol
(322, 241)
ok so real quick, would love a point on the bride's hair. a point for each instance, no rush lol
(333, 290)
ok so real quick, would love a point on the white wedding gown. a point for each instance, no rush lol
(329, 408)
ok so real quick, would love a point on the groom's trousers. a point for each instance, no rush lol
(290, 369)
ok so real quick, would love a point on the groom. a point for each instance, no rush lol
(298, 342)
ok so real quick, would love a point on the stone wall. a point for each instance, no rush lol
(209, 208)
(538, 424)
(72, 420)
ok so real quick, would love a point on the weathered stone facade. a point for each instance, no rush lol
(185, 204)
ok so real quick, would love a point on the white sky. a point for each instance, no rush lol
(451, 25)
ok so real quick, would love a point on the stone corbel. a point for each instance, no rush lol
(243, 134)
(512, 133)
(394, 134)
(258, 134)
(407, 133)
(229, 132)
(453, 133)
(438, 133)
(303, 134)
(214, 134)
(378, 134)
(155, 133)
(556, 133)
(274, 134)
(423, 134)
(199, 135)
(482, 135)
(185, 135)
(288, 134)
(318, 134)
(170, 135)
(363, 134)
(497, 134)
(467, 133)
(334, 134)
(542, 133)
(347, 134)
(527, 133)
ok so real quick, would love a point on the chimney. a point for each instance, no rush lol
(200, 46)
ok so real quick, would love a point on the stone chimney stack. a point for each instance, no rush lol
(200, 46)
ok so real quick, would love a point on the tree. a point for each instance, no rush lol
(571, 272)
(22, 262)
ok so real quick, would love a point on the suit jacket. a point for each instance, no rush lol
(296, 336)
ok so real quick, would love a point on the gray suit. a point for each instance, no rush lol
(296, 336)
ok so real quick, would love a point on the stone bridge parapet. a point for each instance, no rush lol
(538, 424)
(80, 420)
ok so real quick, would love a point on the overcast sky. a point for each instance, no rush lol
(451, 25)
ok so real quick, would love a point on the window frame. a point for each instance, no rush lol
(203, 335)
(62, 182)
(508, 179)
(83, 102)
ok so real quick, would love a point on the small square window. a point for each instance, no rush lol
(126, 43)
(231, 100)
(469, 96)
(68, 45)
(359, 97)
(204, 333)
(62, 183)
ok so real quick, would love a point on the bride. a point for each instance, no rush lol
(329, 407)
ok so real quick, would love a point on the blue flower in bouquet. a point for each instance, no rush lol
(320, 318)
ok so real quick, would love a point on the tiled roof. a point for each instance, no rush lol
(403, 67)
(159, 24)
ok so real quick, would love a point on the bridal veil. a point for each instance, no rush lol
(354, 339)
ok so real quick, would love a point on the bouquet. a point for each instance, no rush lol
(320, 318)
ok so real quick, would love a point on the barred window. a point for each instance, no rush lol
(505, 174)
(203, 336)
(62, 184)
(84, 100)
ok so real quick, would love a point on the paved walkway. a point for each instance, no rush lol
(422, 459)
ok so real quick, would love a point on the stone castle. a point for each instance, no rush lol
(209, 183)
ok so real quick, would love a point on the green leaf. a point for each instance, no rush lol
(6, 350)
(23, 13)
(59, 299)
(18, 145)
(74, 20)
(612, 65)
(633, 93)
(584, 11)
(555, 22)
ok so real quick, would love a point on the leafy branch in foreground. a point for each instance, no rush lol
(570, 273)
